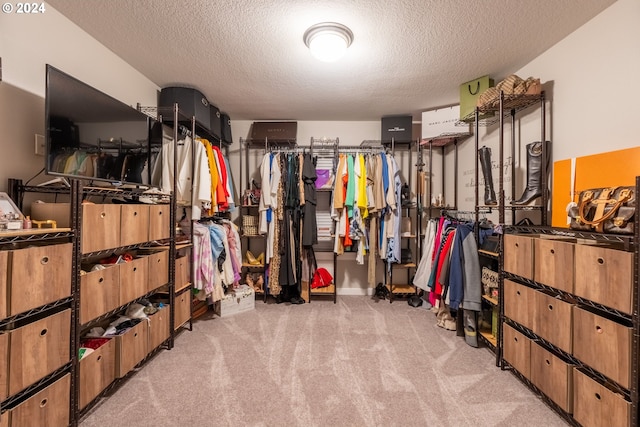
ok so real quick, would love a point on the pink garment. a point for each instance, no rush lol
(202, 259)
(233, 246)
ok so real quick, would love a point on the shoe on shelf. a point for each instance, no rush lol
(260, 258)
(251, 259)
(257, 286)
(249, 280)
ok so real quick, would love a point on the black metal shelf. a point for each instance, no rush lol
(511, 104)
(35, 237)
(619, 316)
(107, 252)
(28, 392)
(570, 358)
(550, 403)
(626, 240)
(27, 315)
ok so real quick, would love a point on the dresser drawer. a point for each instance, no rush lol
(159, 222)
(554, 263)
(134, 277)
(183, 271)
(552, 376)
(131, 348)
(517, 350)
(603, 344)
(158, 270)
(99, 292)
(519, 303)
(183, 309)
(38, 349)
(134, 222)
(39, 275)
(97, 371)
(518, 255)
(4, 366)
(49, 407)
(605, 276)
(595, 405)
(553, 320)
(100, 227)
(4, 272)
(4, 419)
(159, 327)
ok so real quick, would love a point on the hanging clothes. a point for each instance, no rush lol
(310, 226)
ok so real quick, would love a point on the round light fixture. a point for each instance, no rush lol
(328, 41)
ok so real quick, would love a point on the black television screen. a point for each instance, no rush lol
(90, 135)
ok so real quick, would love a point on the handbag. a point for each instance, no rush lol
(321, 278)
(605, 210)
(405, 255)
(324, 179)
(469, 94)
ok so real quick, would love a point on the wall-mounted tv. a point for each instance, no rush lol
(92, 136)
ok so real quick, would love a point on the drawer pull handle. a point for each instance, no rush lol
(552, 251)
(135, 213)
(98, 359)
(135, 335)
(103, 214)
(100, 280)
(550, 307)
(598, 329)
(43, 403)
(135, 268)
(517, 245)
(515, 339)
(600, 260)
(598, 396)
(548, 361)
(160, 213)
(44, 332)
(517, 292)
(44, 260)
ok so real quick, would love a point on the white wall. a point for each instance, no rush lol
(27, 44)
(592, 100)
(351, 277)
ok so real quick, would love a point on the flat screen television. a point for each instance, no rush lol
(92, 136)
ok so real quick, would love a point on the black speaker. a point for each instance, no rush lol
(191, 103)
(216, 121)
(225, 123)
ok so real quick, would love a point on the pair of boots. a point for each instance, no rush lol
(533, 190)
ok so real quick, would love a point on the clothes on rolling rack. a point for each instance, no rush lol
(366, 194)
(450, 268)
(217, 258)
(205, 186)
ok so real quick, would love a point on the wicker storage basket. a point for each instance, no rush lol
(250, 225)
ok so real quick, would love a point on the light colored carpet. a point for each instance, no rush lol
(356, 363)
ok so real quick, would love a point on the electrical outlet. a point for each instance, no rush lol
(40, 145)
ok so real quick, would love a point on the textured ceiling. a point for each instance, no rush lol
(248, 57)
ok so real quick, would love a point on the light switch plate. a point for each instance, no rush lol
(40, 145)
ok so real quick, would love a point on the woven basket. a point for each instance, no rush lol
(250, 225)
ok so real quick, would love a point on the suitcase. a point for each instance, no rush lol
(192, 103)
(216, 121)
(274, 132)
(225, 124)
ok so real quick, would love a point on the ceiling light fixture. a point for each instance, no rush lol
(328, 41)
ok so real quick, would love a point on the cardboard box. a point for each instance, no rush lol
(241, 300)
(398, 128)
(59, 212)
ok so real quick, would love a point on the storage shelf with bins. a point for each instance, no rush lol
(571, 325)
(36, 318)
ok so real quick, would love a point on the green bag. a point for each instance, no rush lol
(469, 94)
